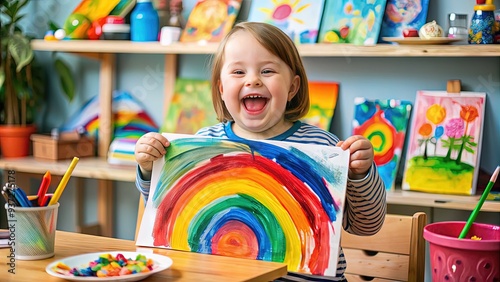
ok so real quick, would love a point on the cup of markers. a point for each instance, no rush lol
(33, 219)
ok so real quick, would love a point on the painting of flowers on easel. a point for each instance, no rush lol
(445, 143)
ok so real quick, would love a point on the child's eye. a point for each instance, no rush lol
(238, 72)
(267, 71)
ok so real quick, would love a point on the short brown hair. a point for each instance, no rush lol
(279, 44)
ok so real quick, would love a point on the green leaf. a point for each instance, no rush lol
(53, 26)
(470, 150)
(66, 78)
(2, 76)
(20, 50)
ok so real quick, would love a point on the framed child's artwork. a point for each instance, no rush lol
(210, 20)
(299, 19)
(401, 14)
(384, 123)
(323, 98)
(266, 200)
(445, 143)
(191, 107)
(351, 21)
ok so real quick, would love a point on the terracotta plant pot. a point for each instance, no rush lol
(15, 140)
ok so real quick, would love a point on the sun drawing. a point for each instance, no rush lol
(284, 9)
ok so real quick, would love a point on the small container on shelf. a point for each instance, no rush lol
(497, 26)
(144, 22)
(457, 27)
(62, 146)
(116, 31)
(482, 27)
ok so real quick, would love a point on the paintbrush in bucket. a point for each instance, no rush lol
(479, 204)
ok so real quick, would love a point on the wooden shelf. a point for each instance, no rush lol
(306, 50)
(95, 168)
(443, 201)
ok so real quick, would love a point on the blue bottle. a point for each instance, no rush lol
(482, 26)
(144, 22)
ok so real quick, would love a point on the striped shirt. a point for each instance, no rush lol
(365, 205)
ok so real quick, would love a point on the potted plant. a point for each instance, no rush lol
(21, 81)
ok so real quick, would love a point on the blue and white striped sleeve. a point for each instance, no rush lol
(365, 206)
(142, 185)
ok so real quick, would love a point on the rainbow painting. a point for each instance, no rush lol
(445, 143)
(323, 97)
(299, 19)
(264, 200)
(384, 123)
(130, 122)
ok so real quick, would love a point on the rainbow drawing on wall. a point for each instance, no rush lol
(210, 20)
(130, 122)
(445, 143)
(384, 123)
(299, 19)
(266, 200)
(323, 100)
(129, 116)
(191, 107)
(352, 21)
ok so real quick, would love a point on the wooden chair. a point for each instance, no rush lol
(395, 253)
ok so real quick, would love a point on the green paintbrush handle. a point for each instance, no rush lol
(474, 213)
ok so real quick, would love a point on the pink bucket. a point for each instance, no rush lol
(454, 259)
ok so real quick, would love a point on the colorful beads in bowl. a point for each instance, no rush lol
(107, 265)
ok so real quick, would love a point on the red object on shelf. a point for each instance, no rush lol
(410, 32)
(95, 31)
(115, 20)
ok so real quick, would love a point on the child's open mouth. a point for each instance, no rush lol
(254, 103)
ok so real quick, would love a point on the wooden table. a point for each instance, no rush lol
(187, 266)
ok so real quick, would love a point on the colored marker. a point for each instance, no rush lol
(46, 199)
(33, 200)
(44, 186)
(5, 196)
(22, 198)
(64, 181)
